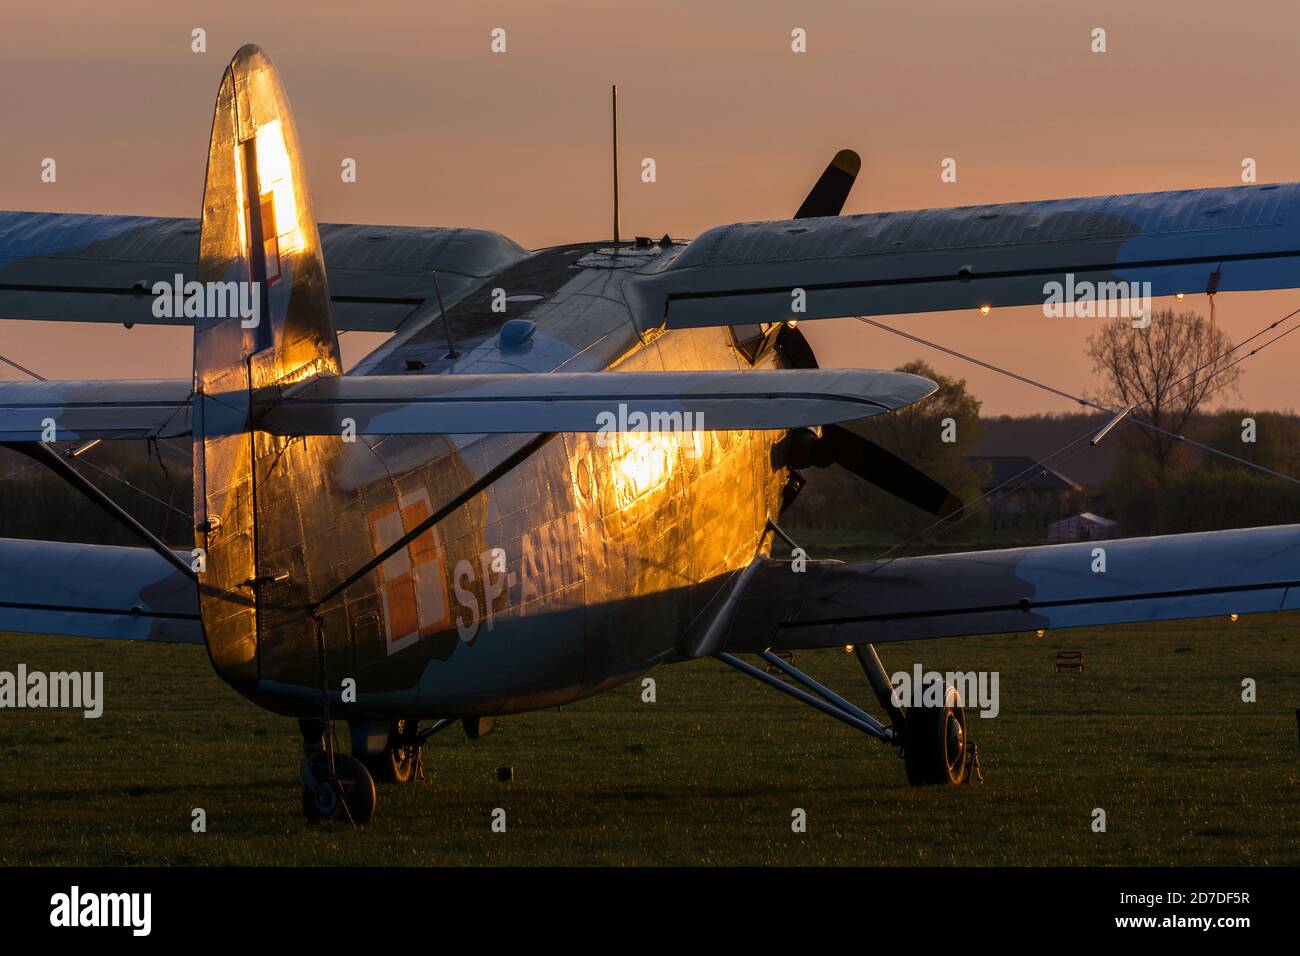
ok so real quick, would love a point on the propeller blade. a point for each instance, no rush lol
(827, 198)
(838, 445)
(888, 472)
(832, 189)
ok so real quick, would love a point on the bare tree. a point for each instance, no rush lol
(1168, 370)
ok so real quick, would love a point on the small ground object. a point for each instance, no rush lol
(1069, 661)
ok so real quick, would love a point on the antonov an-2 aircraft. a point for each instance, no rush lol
(454, 530)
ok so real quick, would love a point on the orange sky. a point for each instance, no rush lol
(447, 133)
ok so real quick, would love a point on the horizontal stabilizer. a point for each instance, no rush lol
(89, 590)
(934, 260)
(464, 404)
(590, 401)
(830, 604)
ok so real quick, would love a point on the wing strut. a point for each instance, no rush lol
(822, 698)
(47, 456)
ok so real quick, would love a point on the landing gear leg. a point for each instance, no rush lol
(878, 678)
(335, 786)
(934, 740)
(937, 746)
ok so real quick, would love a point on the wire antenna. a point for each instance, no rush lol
(614, 112)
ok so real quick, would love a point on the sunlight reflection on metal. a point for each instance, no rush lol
(241, 209)
(646, 464)
(276, 175)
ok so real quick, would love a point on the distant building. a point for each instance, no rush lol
(1082, 527)
(1020, 485)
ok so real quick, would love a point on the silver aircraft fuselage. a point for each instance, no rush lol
(590, 562)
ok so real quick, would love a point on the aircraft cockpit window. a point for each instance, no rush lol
(752, 340)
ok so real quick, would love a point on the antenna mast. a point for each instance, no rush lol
(614, 108)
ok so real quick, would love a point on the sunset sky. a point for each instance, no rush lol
(447, 133)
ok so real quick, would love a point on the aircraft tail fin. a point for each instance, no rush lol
(265, 321)
(258, 231)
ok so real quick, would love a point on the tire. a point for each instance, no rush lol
(935, 743)
(396, 764)
(358, 791)
(390, 766)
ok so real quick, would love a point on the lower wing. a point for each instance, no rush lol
(832, 603)
(88, 590)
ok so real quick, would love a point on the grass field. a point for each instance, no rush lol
(1153, 731)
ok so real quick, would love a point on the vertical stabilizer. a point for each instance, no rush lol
(265, 321)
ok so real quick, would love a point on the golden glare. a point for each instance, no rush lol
(240, 211)
(1040, 633)
(985, 310)
(645, 466)
(792, 323)
(1178, 296)
(1233, 618)
(848, 648)
(316, 367)
(275, 176)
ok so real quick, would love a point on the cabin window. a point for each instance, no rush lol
(753, 340)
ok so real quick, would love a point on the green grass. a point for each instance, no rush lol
(1153, 731)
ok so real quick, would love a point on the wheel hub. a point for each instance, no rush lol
(955, 741)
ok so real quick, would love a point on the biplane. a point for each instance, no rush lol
(451, 531)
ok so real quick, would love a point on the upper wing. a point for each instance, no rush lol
(83, 268)
(933, 260)
(590, 401)
(88, 590)
(1023, 589)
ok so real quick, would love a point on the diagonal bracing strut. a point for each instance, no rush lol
(824, 699)
(51, 459)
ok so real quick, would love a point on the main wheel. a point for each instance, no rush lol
(935, 742)
(396, 764)
(352, 800)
